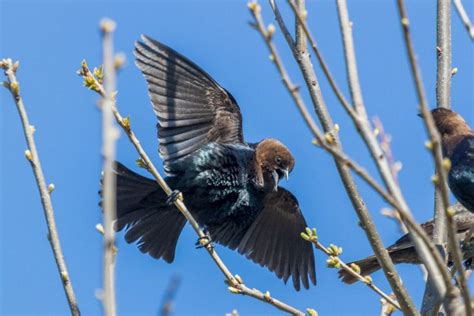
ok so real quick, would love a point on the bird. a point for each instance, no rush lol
(230, 186)
(403, 250)
(457, 140)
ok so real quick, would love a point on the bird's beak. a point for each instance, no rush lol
(276, 178)
(420, 115)
(286, 172)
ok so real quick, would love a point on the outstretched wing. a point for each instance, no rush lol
(274, 240)
(192, 108)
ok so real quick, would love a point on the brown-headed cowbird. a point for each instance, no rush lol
(403, 250)
(458, 145)
(230, 186)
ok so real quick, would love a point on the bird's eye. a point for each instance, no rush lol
(278, 159)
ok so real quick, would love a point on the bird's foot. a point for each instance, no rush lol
(204, 241)
(173, 197)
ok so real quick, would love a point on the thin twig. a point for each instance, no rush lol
(464, 18)
(236, 285)
(334, 261)
(45, 191)
(302, 21)
(435, 145)
(304, 62)
(109, 138)
(443, 98)
(167, 303)
(385, 141)
(363, 126)
(431, 260)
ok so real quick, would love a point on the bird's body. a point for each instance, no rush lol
(458, 145)
(218, 180)
(230, 186)
(461, 174)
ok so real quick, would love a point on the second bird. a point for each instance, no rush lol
(230, 186)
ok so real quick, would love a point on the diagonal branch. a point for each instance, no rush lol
(443, 216)
(334, 261)
(464, 18)
(302, 57)
(33, 157)
(363, 126)
(236, 285)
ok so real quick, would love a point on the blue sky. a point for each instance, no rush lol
(50, 38)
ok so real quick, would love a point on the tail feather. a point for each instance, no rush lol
(142, 211)
(367, 266)
(370, 264)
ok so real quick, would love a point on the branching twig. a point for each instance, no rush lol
(334, 261)
(45, 191)
(464, 18)
(435, 146)
(236, 285)
(433, 262)
(367, 224)
(385, 143)
(109, 138)
(363, 126)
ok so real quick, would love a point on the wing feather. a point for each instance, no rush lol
(192, 109)
(273, 240)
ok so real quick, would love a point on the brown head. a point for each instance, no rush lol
(272, 161)
(451, 126)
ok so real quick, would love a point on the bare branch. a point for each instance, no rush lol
(302, 57)
(44, 190)
(443, 98)
(464, 18)
(435, 145)
(236, 285)
(109, 138)
(302, 21)
(334, 261)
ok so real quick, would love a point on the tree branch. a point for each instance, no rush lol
(364, 128)
(45, 191)
(236, 285)
(109, 138)
(435, 146)
(464, 18)
(334, 261)
(302, 57)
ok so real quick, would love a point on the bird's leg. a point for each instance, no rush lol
(173, 197)
(204, 241)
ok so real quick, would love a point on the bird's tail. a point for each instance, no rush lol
(142, 210)
(370, 264)
(367, 266)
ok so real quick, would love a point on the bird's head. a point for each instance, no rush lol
(273, 162)
(452, 128)
(449, 123)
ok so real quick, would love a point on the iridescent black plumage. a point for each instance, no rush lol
(230, 186)
(458, 145)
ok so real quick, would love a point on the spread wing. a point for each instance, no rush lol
(192, 108)
(274, 240)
